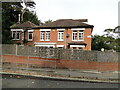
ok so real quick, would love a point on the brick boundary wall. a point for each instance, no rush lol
(57, 63)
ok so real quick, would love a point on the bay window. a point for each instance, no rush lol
(16, 35)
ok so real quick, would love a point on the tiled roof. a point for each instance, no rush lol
(67, 23)
(27, 24)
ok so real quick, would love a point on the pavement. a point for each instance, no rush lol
(20, 81)
(67, 74)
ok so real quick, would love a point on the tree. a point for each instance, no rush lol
(97, 42)
(31, 16)
(107, 43)
(26, 5)
(118, 44)
(10, 11)
(110, 32)
(48, 21)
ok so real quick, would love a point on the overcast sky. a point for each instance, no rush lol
(103, 14)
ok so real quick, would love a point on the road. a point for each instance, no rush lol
(16, 81)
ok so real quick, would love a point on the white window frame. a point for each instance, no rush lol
(77, 46)
(42, 36)
(22, 35)
(45, 30)
(60, 46)
(60, 29)
(30, 32)
(16, 32)
(74, 32)
(79, 36)
(47, 35)
(60, 35)
(78, 29)
(45, 44)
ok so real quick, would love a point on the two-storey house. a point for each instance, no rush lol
(63, 33)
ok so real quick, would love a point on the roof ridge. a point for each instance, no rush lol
(67, 23)
(81, 20)
(23, 25)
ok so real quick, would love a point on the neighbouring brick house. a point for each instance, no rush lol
(22, 33)
(63, 33)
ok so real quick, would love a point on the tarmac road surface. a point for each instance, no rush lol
(17, 81)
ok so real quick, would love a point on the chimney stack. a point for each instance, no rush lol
(82, 20)
(19, 18)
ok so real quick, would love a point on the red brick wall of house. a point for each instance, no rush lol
(29, 42)
(87, 32)
(26, 38)
(54, 37)
(57, 63)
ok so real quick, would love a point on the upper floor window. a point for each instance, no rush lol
(60, 35)
(45, 35)
(75, 35)
(78, 36)
(81, 36)
(16, 35)
(42, 36)
(30, 36)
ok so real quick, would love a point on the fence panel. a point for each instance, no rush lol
(63, 54)
(9, 49)
(26, 51)
(107, 56)
(72, 54)
(37, 58)
(46, 52)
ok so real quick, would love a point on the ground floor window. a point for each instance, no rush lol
(30, 36)
(16, 35)
(80, 48)
(13, 35)
(74, 48)
(60, 47)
